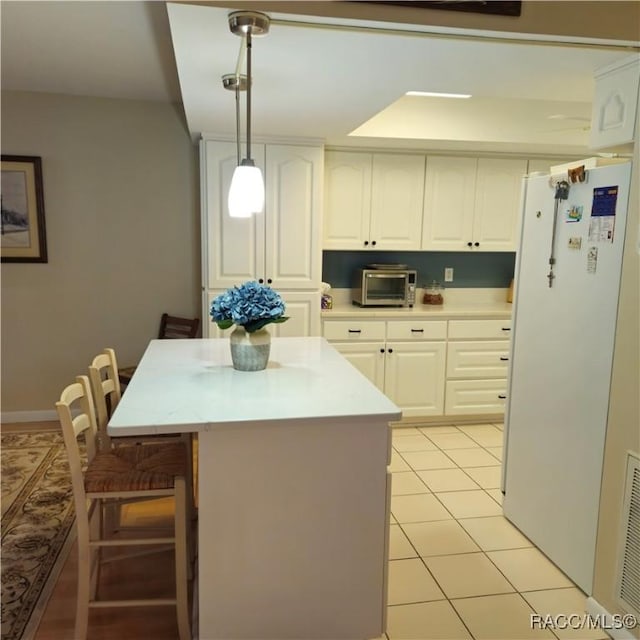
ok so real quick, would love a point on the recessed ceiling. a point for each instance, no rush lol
(348, 85)
(310, 79)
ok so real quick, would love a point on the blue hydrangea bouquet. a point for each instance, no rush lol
(251, 305)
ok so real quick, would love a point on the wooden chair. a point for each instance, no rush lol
(105, 388)
(123, 474)
(171, 327)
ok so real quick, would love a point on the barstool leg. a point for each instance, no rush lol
(182, 558)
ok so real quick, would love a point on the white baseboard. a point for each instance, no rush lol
(28, 416)
(596, 609)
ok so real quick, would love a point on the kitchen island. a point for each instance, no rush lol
(293, 488)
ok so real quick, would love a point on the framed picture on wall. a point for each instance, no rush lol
(22, 229)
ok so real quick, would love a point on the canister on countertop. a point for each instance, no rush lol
(433, 294)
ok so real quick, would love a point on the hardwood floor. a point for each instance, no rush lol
(150, 575)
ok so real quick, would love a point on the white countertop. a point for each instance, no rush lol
(446, 311)
(458, 304)
(190, 385)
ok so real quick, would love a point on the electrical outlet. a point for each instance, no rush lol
(448, 274)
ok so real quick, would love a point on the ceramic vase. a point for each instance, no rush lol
(250, 351)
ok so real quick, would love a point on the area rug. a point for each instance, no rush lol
(37, 525)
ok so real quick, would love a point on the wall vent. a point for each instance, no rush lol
(629, 559)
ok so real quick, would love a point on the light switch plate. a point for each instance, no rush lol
(448, 274)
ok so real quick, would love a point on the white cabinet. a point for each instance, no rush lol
(615, 102)
(367, 357)
(301, 307)
(373, 201)
(477, 364)
(472, 203)
(281, 246)
(405, 359)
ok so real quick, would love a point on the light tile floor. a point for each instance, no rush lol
(458, 569)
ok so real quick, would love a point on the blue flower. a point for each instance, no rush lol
(251, 305)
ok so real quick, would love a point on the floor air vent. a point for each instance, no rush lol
(629, 565)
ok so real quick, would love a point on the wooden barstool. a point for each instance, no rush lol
(117, 476)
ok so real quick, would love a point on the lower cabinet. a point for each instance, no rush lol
(477, 364)
(406, 360)
(430, 367)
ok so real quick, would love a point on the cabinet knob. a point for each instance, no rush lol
(373, 243)
(504, 359)
(261, 280)
(390, 350)
(476, 244)
(469, 244)
(269, 280)
(366, 243)
(381, 350)
(502, 396)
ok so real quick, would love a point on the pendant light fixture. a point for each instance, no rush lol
(246, 194)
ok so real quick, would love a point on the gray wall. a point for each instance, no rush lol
(121, 205)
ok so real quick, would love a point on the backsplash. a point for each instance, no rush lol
(470, 269)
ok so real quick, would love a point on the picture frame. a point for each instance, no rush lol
(22, 225)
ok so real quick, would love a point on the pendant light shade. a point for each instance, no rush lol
(246, 194)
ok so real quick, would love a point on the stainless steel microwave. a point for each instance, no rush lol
(384, 286)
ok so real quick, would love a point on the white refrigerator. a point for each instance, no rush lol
(561, 359)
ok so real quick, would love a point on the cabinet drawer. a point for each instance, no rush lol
(483, 359)
(417, 330)
(354, 330)
(490, 329)
(464, 397)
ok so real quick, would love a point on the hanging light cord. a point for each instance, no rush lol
(248, 37)
(237, 92)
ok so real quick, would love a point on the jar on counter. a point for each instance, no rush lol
(433, 294)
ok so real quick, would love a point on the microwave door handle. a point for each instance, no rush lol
(386, 275)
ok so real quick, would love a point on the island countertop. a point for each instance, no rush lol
(190, 385)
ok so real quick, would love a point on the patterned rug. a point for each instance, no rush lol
(37, 525)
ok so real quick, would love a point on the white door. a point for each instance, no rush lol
(497, 210)
(367, 357)
(414, 377)
(347, 199)
(449, 201)
(397, 193)
(303, 311)
(233, 248)
(294, 179)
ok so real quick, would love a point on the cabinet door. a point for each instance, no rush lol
(397, 194)
(613, 116)
(294, 178)
(479, 359)
(303, 310)
(414, 377)
(497, 210)
(347, 200)
(471, 397)
(449, 198)
(367, 357)
(232, 248)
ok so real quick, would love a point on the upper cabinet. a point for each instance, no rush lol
(472, 204)
(373, 201)
(281, 246)
(615, 102)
